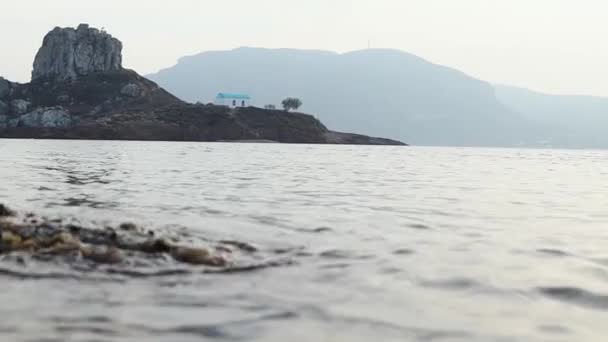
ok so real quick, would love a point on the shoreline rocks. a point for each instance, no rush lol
(38, 236)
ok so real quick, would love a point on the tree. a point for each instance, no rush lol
(291, 103)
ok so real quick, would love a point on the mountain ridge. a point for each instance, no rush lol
(375, 92)
(385, 92)
(570, 120)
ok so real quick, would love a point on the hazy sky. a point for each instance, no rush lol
(558, 46)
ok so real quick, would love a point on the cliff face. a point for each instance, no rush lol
(79, 90)
(67, 53)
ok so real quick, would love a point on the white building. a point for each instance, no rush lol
(233, 100)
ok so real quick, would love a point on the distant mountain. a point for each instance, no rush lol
(570, 121)
(378, 92)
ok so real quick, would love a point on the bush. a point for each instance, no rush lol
(291, 103)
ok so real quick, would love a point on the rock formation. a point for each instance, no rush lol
(127, 244)
(5, 87)
(20, 106)
(79, 90)
(45, 117)
(67, 53)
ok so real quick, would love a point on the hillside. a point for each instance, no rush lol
(377, 92)
(79, 90)
(571, 121)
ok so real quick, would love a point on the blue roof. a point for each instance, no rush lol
(233, 96)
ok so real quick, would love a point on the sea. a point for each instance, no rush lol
(362, 243)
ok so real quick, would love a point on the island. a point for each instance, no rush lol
(80, 90)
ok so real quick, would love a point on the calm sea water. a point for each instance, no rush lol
(383, 243)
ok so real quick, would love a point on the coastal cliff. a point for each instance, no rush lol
(79, 90)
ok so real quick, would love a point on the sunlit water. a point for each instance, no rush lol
(383, 243)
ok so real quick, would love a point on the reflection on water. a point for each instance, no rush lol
(385, 243)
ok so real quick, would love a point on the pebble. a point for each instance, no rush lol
(197, 256)
(128, 226)
(107, 255)
(11, 240)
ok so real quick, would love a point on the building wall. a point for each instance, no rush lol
(228, 102)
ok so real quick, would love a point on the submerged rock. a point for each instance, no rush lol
(197, 256)
(103, 255)
(37, 236)
(4, 211)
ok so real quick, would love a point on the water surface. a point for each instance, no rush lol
(384, 243)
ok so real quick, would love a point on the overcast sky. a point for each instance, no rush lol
(557, 46)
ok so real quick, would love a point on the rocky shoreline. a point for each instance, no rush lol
(41, 238)
(79, 90)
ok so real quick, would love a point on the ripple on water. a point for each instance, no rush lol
(392, 331)
(576, 296)
(419, 226)
(404, 251)
(29, 274)
(90, 329)
(84, 319)
(317, 230)
(229, 330)
(451, 284)
(320, 209)
(554, 329)
(553, 252)
(344, 254)
(336, 266)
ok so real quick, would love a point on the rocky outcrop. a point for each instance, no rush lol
(55, 117)
(20, 106)
(103, 101)
(131, 90)
(5, 88)
(3, 108)
(127, 244)
(67, 53)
